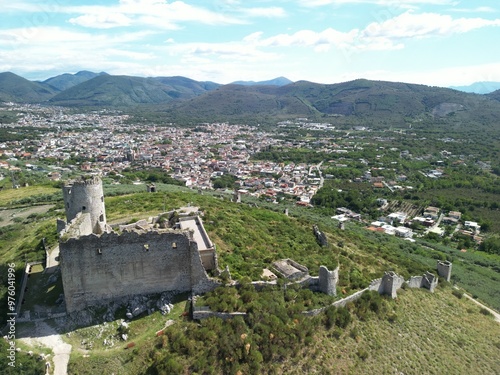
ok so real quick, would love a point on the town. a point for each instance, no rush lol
(108, 143)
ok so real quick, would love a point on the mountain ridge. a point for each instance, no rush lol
(483, 87)
(181, 98)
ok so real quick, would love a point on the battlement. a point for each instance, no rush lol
(84, 180)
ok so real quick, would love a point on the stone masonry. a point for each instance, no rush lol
(100, 266)
(328, 280)
(85, 195)
(444, 269)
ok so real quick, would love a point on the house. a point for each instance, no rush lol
(472, 225)
(432, 212)
(403, 232)
(399, 217)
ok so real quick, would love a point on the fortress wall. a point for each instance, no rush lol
(97, 269)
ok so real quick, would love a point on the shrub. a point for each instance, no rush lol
(485, 312)
(457, 293)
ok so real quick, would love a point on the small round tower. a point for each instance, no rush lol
(85, 195)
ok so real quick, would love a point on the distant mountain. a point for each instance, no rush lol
(185, 86)
(479, 87)
(14, 88)
(280, 81)
(119, 91)
(182, 98)
(364, 99)
(65, 81)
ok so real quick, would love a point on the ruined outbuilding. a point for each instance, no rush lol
(99, 265)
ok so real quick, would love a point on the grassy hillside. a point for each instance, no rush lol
(418, 332)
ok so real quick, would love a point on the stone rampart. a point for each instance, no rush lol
(427, 281)
(100, 268)
(204, 312)
(320, 236)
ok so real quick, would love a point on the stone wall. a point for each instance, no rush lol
(81, 225)
(100, 268)
(427, 281)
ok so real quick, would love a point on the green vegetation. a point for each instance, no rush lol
(374, 335)
(224, 181)
(25, 364)
(275, 337)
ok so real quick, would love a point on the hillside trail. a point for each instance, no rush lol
(493, 312)
(44, 335)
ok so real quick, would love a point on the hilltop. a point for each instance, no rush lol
(65, 81)
(380, 335)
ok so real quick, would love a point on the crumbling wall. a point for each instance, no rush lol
(101, 268)
(81, 225)
(427, 281)
(390, 283)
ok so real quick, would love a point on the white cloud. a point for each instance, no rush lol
(155, 13)
(410, 25)
(386, 35)
(393, 3)
(271, 12)
(102, 21)
(482, 9)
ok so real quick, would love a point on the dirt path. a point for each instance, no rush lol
(493, 312)
(47, 337)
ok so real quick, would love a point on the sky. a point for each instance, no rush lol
(432, 42)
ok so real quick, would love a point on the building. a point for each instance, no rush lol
(99, 265)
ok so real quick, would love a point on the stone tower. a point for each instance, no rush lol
(85, 195)
(390, 283)
(444, 269)
(328, 280)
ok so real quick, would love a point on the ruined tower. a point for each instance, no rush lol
(328, 280)
(444, 269)
(85, 195)
(390, 283)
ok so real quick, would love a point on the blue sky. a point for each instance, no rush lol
(434, 42)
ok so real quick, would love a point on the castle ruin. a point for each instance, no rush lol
(99, 266)
(444, 269)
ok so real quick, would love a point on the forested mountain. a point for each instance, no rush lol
(65, 81)
(14, 88)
